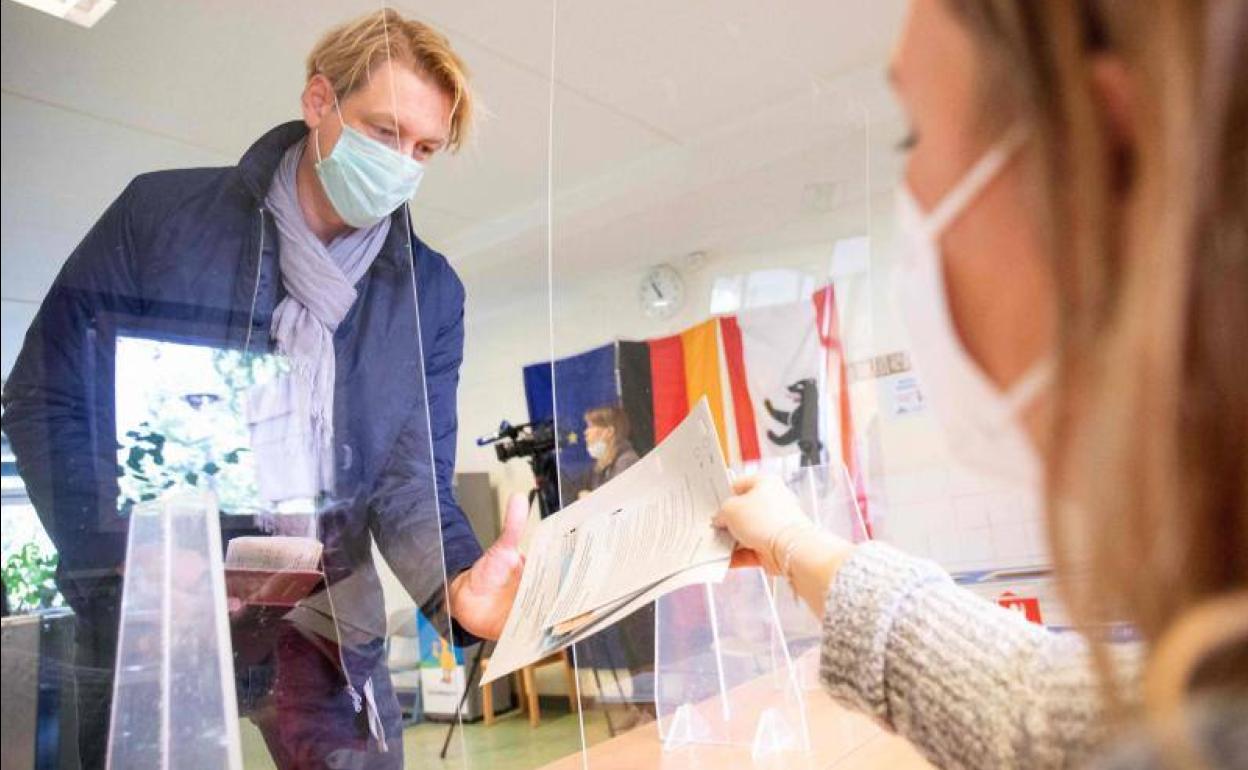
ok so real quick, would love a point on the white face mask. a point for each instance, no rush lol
(596, 449)
(980, 422)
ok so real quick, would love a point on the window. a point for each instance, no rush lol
(760, 288)
(26, 552)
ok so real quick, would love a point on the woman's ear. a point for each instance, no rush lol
(1112, 88)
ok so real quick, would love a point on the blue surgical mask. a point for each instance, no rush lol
(364, 179)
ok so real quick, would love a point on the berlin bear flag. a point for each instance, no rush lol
(789, 390)
(782, 363)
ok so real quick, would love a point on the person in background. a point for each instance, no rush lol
(303, 249)
(1075, 281)
(628, 645)
(606, 441)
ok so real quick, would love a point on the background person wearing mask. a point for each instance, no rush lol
(304, 249)
(627, 645)
(606, 441)
(1076, 285)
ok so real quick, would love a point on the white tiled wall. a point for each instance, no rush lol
(959, 520)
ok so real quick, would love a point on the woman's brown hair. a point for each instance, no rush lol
(1148, 448)
(609, 417)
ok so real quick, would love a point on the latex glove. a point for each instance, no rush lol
(774, 533)
(763, 515)
(481, 597)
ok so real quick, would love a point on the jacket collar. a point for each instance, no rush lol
(260, 162)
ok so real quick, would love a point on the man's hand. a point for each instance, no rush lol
(481, 597)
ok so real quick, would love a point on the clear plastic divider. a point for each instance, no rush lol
(656, 204)
(193, 308)
(714, 237)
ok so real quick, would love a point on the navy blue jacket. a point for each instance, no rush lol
(192, 255)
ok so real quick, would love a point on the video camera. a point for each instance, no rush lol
(528, 440)
(536, 441)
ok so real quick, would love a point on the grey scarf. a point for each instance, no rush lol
(320, 284)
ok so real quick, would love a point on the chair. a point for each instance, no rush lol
(528, 688)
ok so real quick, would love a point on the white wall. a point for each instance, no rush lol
(61, 169)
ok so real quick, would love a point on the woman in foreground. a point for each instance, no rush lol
(1075, 281)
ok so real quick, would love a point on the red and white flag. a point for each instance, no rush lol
(775, 367)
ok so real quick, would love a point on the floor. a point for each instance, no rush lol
(508, 744)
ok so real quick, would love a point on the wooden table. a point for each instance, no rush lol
(839, 738)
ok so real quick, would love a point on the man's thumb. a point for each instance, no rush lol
(514, 520)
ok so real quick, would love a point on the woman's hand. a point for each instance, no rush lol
(761, 512)
(774, 533)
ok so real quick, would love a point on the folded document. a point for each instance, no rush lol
(643, 534)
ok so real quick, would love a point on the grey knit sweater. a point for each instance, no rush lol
(973, 685)
(970, 684)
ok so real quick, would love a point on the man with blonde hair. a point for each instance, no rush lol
(303, 249)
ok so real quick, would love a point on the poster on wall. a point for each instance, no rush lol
(442, 674)
(903, 395)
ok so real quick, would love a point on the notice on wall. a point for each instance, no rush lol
(904, 396)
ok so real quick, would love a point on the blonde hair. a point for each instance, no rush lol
(347, 54)
(1148, 453)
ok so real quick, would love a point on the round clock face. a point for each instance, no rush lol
(662, 292)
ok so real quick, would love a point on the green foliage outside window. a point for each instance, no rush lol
(196, 440)
(28, 579)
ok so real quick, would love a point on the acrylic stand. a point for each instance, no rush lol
(173, 703)
(736, 663)
(827, 495)
(724, 675)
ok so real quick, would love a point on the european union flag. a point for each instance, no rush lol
(582, 382)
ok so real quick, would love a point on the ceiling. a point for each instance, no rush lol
(701, 125)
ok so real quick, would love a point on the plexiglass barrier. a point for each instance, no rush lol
(655, 204)
(718, 245)
(247, 323)
(830, 498)
(723, 673)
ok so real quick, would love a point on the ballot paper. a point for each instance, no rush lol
(643, 534)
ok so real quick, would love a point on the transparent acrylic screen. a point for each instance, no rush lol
(717, 234)
(724, 229)
(231, 504)
(668, 202)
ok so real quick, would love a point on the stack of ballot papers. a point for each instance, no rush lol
(641, 535)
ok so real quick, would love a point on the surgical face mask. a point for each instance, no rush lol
(980, 421)
(364, 179)
(596, 449)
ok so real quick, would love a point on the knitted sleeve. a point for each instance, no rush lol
(971, 684)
